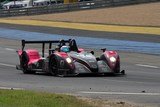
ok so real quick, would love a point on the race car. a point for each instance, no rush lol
(67, 59)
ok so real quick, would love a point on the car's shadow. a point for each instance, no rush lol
(80, 75)
(94, 75)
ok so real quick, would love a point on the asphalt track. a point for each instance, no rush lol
(140, 85)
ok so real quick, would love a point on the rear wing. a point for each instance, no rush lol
(71, 42)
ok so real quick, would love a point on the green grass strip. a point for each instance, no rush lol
(22, 98)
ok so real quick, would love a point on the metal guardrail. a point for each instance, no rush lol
(69, 7)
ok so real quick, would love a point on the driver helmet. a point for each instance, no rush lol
(65, 49)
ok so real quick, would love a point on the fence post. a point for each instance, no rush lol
(8, 12)
(112, 3)
(68, 7)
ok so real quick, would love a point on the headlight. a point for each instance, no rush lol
(69, 60)
(112, 59)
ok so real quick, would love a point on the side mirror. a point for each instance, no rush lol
(92, 52)
(103, 49)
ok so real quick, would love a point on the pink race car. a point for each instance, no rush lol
(67, 59)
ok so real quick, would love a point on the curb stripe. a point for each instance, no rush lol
(91, 27)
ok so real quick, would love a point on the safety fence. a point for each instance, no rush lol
(69, 7)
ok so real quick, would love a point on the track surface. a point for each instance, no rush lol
(140, 85)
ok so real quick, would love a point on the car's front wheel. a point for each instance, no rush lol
(53, 67)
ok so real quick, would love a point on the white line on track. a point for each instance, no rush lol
(148, 66)
(11, 88)
(119, 93)
(9, 49)
(8, 65)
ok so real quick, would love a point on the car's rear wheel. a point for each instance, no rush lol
(24, 64)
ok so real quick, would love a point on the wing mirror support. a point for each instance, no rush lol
(92, 52)
(103, 49)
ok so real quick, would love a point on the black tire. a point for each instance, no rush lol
(24, 64)
(53, 66)
(117, 68)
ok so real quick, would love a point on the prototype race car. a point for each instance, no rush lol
(67, 59)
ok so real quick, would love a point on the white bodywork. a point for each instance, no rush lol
(45, 2)
(20, 4)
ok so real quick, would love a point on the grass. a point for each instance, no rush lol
(22, 98)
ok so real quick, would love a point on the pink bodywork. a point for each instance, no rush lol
(80, 50)
(65, 55)
(33, 55)
(19, 52)
(62, 54)
(110, 54)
